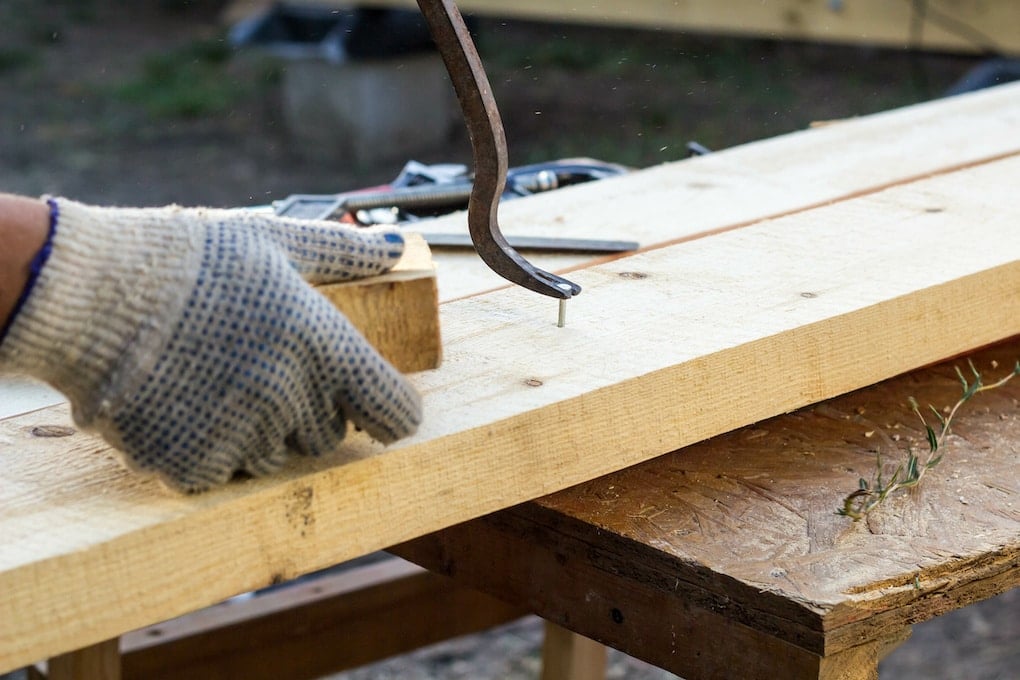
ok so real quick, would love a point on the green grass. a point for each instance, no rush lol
(189, 82)
(14, 58)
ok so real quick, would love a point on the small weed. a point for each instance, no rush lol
(870, 495)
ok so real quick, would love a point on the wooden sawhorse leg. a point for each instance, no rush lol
(860, 663)
(569, 656)
(97, 662)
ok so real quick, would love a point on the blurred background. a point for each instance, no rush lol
(153, 101)
(150, 102)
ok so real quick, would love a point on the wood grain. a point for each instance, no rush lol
(990, 24)
(733, 188)
(663, 349)
(398, 312)
(736, 538)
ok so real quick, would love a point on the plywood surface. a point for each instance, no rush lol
(663, 349)
(737, 537)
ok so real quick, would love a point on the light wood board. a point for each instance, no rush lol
(663, 349)
(732, 188)
(769, 178)
(398, 312)
(956, 25)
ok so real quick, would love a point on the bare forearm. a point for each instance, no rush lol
(24, 223)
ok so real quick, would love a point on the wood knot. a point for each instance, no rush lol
(533, 382)
(52, 431)
(809, 295)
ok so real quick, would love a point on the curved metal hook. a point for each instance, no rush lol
(488, 143)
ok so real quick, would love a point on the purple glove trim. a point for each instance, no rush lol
(34, 268)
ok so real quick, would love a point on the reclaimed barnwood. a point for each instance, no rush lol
(662, 349)
(736, 539)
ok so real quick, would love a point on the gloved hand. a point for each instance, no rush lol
(190, 340)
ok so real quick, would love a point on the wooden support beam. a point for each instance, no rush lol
(662, 349)
(733, 188)
(954, 25)
(398, 312)
(307, 630)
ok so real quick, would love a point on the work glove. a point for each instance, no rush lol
(192, 342)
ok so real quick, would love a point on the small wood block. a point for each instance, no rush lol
(398, 312)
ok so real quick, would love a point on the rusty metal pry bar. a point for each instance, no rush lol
(488, 144)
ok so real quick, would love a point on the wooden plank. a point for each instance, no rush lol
(878, 151)
(97, 662)
(308, 630)
(736, 538)
(678, 343)
(954, 25)
(735, 187)
(398, 312)
(569, 656)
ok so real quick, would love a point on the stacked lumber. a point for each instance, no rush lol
(830, 259)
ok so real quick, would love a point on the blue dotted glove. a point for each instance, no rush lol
(192, 342)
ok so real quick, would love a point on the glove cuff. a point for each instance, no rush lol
(86, 323)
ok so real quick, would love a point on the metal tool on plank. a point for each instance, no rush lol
(488, 143)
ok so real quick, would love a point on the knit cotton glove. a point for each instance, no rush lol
(190, 340)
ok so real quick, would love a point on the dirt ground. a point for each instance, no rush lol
(85, 113)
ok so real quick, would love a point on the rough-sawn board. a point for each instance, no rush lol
(663, 349)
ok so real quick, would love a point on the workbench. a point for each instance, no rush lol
(774, 277)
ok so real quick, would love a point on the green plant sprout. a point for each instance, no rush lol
(870, 495)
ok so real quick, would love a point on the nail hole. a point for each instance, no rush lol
(52, 431)
(533, 382)
(155, 632)
(633, 275)
(617, 615)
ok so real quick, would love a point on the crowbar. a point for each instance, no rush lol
(488, 144)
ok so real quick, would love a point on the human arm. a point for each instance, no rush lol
(24, 223)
